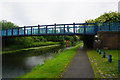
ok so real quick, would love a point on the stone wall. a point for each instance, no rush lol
(108, 40)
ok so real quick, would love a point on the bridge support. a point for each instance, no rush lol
(109, 39)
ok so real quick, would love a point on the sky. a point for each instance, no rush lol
(34, 12)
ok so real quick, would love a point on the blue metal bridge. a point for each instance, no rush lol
(60, 29)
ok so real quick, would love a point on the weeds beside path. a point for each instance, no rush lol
(53, 68)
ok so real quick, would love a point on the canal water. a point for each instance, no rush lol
(16, 64)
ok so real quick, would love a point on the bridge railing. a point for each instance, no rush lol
(113, 26)
(56, 29)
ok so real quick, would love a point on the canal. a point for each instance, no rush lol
(18, 63)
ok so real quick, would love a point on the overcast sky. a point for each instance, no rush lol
(34, 12)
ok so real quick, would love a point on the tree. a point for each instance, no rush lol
(106, 17)
(109, 17)
(6, 25)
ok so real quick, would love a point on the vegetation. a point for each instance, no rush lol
(26, 49)
(35, 44)
(106, 17)
(32, 41)
(6, 25)
(53, 68)
(101, 67)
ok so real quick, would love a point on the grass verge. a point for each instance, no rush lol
(35, 44)
(33, 48)
(53, 68)
(102, 68)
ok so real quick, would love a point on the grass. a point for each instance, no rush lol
(53, 68)
(35, 44)
(101, 67)
(33, 48)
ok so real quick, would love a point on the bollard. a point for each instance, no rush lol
(118, 65)
(103, 54)
(109, 58)
(99, 51)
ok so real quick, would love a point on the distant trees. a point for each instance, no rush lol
(28, 40)
(106, 17)
(6, 24)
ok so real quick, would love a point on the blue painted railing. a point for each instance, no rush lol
(61, 29)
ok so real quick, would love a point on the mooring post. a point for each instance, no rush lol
(99, 51)
(119, 65)
(103, 54)
(109, 58)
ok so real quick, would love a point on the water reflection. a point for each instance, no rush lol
(16, 64)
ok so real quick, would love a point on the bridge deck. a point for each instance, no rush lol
(61, 29)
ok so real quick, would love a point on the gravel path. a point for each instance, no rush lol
(80, 66)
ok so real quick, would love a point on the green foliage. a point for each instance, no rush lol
(27, 41)
(90, 21)
(42, 46)
(6, 25)
(53, 68)
(106, 17)
(109, 17)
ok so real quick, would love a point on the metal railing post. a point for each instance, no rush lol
(12, 31)
(46, 29)
(64, 29)
(38, 29)
(24, 30)
(74, 28)
(55, 27)
(6, 32)
(31, 30)
(84, 28)
(18, 32)
(96, 28)
(109, 26)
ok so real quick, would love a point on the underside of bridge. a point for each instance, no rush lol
(88, 40)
